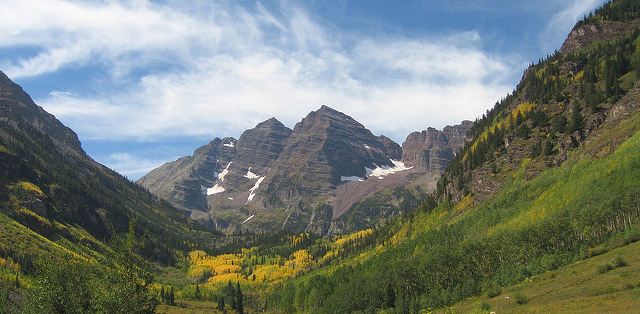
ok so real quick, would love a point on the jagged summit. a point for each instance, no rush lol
(432, 149)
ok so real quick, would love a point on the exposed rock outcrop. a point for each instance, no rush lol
(432, 149)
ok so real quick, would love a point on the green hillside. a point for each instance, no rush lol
(608, 283)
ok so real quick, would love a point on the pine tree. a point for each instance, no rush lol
(547, 148)
(171, 298)
(238, 295)
(391, 296)
(575, 121)
(220, 306)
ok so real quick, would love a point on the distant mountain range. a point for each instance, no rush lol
(304, 179)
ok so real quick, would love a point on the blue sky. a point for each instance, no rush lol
(145, 82)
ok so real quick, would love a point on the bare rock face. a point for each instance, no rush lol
(392, 148)
(432, 149)
(326, 146)
(184, 182)
(584, 35)
(16, 104)
(256, 151)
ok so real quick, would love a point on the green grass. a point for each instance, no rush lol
(576, 288)
(190, 307)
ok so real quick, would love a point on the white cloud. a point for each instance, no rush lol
(131, 166)
(225, 68)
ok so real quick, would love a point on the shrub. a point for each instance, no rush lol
(494, 292)
(521, 299)
(604, 268)
(619, 262)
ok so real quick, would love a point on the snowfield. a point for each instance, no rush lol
(250, 175)
(351, 178)
(252, 191)
(380, 172)
(247, 219)
(215, 189)
(224, 172)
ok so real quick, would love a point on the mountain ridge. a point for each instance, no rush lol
(301, 176)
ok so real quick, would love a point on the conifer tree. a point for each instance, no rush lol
(575, 121)
(220, 305)
(171, 298)
(238, 295)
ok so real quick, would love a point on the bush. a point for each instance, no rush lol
(485, 306)
(521, 299)
(494, 292)
(604, 268)
(619, 262)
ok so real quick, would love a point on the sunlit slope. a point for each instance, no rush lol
(608, 283)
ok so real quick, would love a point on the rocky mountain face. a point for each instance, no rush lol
(185, 181)
(275, 178)
(585, 34)
(432, 149)
(324, 148)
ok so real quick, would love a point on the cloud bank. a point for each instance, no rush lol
(222, 67)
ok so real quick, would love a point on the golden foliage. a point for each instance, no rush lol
(10, 265)
(507, 122)
(29, 187)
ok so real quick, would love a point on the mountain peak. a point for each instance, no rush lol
(270, 123)
(328, 111)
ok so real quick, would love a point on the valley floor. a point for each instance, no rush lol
(189, 307)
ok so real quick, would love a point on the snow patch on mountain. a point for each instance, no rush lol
(380, 172)
(252, 191)
(215, 189)
(250, 175)
(230, 144)
(224, 172)
(247, 219)
(351, 178)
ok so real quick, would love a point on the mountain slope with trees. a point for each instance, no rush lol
(549, 178)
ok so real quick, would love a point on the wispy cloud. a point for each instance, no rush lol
(574, 11)
(223, 67)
